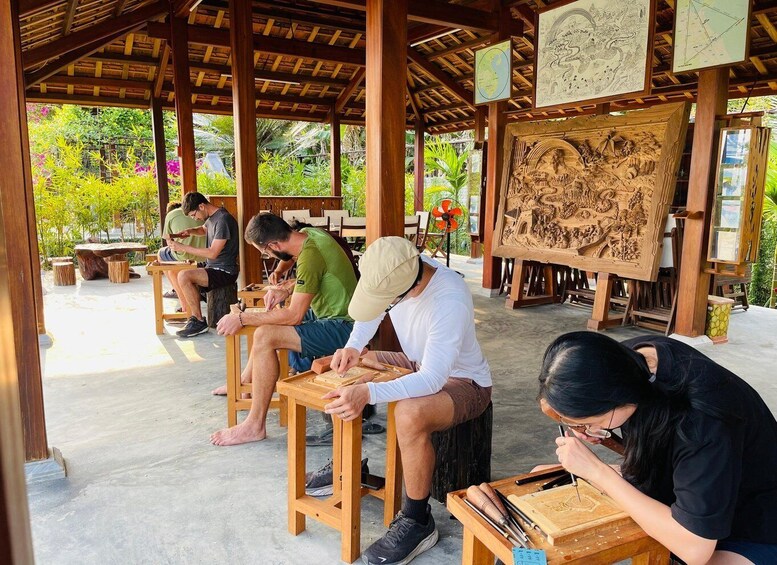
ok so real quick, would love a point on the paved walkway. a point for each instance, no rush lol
(131, 413)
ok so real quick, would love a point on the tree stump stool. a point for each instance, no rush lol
(463, 455)
(64, 273)
(118, 271)
(219, 301)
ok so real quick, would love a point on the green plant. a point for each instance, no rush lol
(215, 184)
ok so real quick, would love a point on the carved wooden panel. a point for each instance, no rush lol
(591, 193)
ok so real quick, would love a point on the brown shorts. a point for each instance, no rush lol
(469, 398)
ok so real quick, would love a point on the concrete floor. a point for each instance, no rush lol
(131, 413)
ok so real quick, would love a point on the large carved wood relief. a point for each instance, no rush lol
(592, 193)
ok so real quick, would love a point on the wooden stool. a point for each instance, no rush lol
(236, 389)
(463, 455)
(118, 271)
(64, 273)
(219, 301)
(341, 511)
(253, 295)
(155, 269)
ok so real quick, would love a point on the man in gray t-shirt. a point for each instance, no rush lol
(221, 253)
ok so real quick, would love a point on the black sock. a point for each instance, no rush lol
(416, 509)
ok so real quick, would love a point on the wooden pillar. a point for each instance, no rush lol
(481, 116)
(183, 102)
(492, 266)
(244, 111)
(497, 119)
(418, 169)
(694, 282)
(20, 271)
(15, 536)
(160, 155)
(335, 163)
(385, 81)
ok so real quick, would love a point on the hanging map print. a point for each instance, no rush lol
(592, 50)
(709, 33)
(493, 70)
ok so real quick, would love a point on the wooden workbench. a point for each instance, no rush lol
(606, 545)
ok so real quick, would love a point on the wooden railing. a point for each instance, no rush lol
(316, 204)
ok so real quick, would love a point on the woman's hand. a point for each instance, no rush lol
(578, 459)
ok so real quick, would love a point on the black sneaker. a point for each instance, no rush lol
(405, 540)
(319, 483)
(193, 327)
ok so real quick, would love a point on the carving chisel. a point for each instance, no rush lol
(574, 479)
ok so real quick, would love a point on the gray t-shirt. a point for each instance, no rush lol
(222, 225)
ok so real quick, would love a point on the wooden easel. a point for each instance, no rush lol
(600, 317)
(533, 283)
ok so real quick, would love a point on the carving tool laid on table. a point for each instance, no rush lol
(487, 504)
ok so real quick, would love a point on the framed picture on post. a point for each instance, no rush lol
(592, 51)
(710, 34)
(493, 72)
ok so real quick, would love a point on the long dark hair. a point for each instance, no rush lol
(587, 374)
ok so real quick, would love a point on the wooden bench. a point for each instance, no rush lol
(236, 389)
(156, 269)
(253, 295)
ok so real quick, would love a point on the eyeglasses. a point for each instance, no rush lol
(592, 430)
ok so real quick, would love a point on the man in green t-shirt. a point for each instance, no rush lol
(325, 283)
(175, 222)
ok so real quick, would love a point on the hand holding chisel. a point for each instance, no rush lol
(574, 479)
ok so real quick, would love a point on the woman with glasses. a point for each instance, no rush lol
(699, 472)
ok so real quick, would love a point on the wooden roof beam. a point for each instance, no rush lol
(265, 44)
(260, 96)
(98, 82)
(93, 34)
(434, 12)
(181, 8)
(70, 11)
(57, 65)
(354, 83)
(443, 78)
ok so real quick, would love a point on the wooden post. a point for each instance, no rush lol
(244, 112)
(481, 115)
(694, 283)
(22, 256)
(492, 266)
(385, 83)
(160, 155)
(15, 537)
(183, 102)
(418, 169)
(335, 163)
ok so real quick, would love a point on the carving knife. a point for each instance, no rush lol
(574, 479)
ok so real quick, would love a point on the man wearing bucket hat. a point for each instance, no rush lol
(432, 313)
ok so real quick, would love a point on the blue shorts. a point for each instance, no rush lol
(166, 254)
(758, 553)
(323, 337)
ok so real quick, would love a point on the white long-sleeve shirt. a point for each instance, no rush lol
(436, 330)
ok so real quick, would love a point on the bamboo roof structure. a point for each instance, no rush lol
(309, 57)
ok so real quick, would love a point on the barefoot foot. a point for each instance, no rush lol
(219, 391)
(236, 435)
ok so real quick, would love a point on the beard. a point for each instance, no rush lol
(282, 255)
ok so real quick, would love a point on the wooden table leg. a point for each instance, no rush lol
(351, 494)
(474, 552)
(654, 557)
(337, 451)
(283, 364)
(296, 457)
(393, 495)
(233, 377)
(156, 279)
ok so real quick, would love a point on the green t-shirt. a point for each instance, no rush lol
(176, 221)
(323, 269)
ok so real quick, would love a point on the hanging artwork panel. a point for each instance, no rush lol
(591, 192)
(592, 51)
(709, 33)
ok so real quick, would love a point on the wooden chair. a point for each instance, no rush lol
(355, 231)
(412, 226)
(301, 215)
(336, 218)
(428, 240)
(322, 222)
